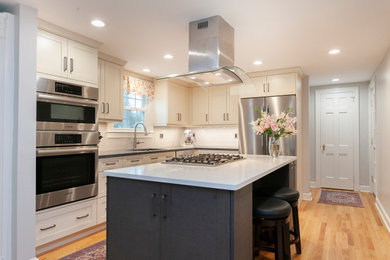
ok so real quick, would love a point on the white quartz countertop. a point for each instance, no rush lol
(232, 176)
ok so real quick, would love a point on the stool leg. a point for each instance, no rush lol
(279, 254)
(297, 234)
(286, 241)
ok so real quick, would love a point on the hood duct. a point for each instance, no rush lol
(211, 54)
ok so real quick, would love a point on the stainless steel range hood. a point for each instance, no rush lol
(211, 54)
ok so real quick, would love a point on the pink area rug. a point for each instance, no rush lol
(95, 252)
(343, 198)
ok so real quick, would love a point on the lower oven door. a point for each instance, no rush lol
(65, 174)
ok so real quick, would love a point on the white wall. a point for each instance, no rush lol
(363, 131)
(22, 190)
(382, 76)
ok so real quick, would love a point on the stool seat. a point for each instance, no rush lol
(286, 194)
(270, 208)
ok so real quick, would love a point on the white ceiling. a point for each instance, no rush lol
(281, 33)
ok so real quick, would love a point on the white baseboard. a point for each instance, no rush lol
(63, 241)
(383, 214)
(314, 184)
(307, 196)
(365, 188)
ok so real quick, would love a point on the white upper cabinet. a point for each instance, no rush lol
(232, 100)
(271, 85)
(171, 104)
(200, 106)
(281, 84)
(52, 52)
(60, 57)
(110, 91)
(217, 105)
(82, 62)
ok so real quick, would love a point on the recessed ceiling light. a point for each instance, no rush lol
(98, 23)
(146, 70)
(168, 56)
(193, 77)
(335, 79)
(229, 80)
(206, 82)
(334, 51)
(218, 74)
(258, 62)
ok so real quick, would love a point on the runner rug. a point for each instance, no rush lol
(95, 252)
(343, 198)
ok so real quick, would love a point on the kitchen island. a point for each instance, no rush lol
(163, 211)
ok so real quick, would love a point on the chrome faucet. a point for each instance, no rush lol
(135, 135)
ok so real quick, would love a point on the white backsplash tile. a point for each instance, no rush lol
(172, 137)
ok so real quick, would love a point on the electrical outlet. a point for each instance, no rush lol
(235, 135)
(161, 136)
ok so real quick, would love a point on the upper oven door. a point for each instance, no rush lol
(56, 112)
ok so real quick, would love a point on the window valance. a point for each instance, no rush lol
(139, 86)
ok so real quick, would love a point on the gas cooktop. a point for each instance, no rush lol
(205, 159)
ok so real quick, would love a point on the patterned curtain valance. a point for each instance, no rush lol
(138, 86)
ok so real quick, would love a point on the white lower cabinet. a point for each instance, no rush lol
(101, 210)
(55, 223)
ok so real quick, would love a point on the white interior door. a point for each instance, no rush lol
(337, 132)
(372, 131)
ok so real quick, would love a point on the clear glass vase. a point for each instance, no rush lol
(273, 147)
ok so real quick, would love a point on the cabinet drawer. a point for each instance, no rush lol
(101, 209)
(133, 160)
(158, 157)
(102, 184)
(109, 163)
(59, 222)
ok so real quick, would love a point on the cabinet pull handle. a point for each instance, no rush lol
(111, 163)
(207, 117)
(164, 208)
(227, 116)
(154, 158)
(103, 108)
(264, 87)
(134, 160)
(108, 108)
(268, 87)
(86, 215)
(65, 63)
(178, 117)
(46, 228)
(224, 117)
(154, 207)
(71, 65)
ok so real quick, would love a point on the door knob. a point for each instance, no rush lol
(323, 147)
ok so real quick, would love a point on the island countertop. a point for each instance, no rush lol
(232, 176)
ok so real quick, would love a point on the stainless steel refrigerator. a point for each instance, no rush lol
(249, 142)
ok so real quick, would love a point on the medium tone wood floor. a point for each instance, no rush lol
(328, 232)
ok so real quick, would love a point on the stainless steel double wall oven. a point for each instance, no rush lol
(67, 139)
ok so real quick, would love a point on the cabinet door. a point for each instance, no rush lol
(52, 54)
(282, 84)
(217, 105)
(102, 104)
(232, 100)
(200, 106)
(173, 104)
(83, 62)
(203, 213)
(256, 89)
(184, 101)
(113, 91)
(133, 219)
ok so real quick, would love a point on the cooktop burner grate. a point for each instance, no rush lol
(205, 159)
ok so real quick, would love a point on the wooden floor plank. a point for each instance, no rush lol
(328, 232)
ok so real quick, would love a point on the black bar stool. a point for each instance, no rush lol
(291, 196)
(272, 213)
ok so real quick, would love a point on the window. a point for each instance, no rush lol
(135, 109)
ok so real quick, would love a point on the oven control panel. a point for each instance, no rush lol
(68, 89)
(68, 139)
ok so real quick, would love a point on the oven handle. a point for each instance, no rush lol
(66, 100)
(66, 150)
